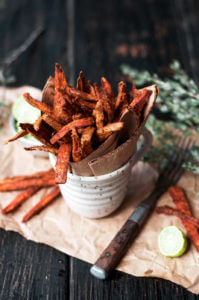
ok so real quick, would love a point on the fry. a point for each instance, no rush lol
(77, 116)
(23, 184)
(102, 136)
(107, 87)
(37, 123)
(76, 123)
(110, 127)
(85, 105)
(90, 88)
(60, 79)
(70, 106)
(81, 82)
(168, 210)
(108, 109)
(45, 108)
(43, 134)
(106, 131)
(121, 87)
(86, 144)
(62, 163)
(48, 198)
(68, 98)
(20, 134)
(134, 92)
(43, 148)
(180, 200)
(105, 96)
(122, 98)
(21, 198)
(182, 205)
(80, 130)
(52, 122)
(83, 95)
(139, 102)
(48, 173)
(99, 114)
(76, 146)
(98, 90)
(61, 108)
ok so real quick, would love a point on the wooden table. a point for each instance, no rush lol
(96, 36)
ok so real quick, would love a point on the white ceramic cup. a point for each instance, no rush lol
(99, 196)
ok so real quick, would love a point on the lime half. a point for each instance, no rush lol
(172, 241)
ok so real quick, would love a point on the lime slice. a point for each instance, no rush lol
(172, 241)
(23, 112)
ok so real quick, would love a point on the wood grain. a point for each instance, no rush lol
(121, 286)
(114, 252)
(31, 271)
(97, 37)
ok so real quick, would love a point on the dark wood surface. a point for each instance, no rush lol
(112, 254)
(96, 36)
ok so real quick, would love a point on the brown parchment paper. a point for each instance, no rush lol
(59, 227)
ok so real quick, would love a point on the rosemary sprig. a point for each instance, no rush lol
(178, 100)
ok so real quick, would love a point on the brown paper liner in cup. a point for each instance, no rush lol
(118, 148)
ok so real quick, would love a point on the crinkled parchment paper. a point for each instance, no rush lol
(59, 227)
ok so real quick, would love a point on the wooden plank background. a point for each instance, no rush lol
(97, 37)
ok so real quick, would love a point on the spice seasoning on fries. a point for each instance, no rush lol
(20, 134)
(21, 198)
(62, 163)
(24, 184)
(183, 211)
(76, 121)
(48, 198)
(170, 211)
(30, 184)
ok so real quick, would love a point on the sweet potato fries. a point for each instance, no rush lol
(30, 184)
(183, 211)
(54, 193)
(80, 118)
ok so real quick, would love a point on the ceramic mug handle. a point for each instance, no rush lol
(143, 147)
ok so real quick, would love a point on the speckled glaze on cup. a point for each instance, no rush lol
(97, 197)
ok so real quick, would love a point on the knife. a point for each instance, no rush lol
(112, 255)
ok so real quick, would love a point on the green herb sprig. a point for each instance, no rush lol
(179, 99)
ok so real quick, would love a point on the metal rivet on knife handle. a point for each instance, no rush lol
(111, 256)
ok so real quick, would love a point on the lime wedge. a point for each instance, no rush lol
(172, 241)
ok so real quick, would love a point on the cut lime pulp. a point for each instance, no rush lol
(172, 241)
(23, 112)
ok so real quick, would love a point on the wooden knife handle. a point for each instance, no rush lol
(112, 255)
